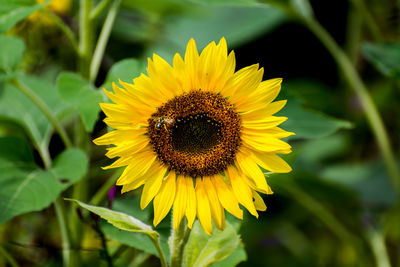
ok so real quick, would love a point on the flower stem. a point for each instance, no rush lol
(177, 243)
(368, 19)
(378, 248)
(355, 82)
(45, 110)
(103, 39)
(100, 7)
(320, 212)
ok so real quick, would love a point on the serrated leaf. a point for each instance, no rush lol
(385, 57)
(126, 70)
(12, 12)
(118, 219)
(17, 107)
(202, 250)
(24, 187)
(307, 123)
(82, 96)
(11, 50)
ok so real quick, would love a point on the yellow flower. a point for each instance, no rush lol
(195, 134)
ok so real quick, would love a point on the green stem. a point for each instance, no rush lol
(355, 82)
(8, 257)
(100, 7)
(62, 222)
(320, 212)
(45, 110)
(103, 39)
(60, 213)
(368, 19)
(378, 248)
(102, 192)
(178, 241)
(85, 36)
(156, 242)
(353, 34)
(64, 28)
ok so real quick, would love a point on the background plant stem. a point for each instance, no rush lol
(378, 246)
(85, 36)
(355, 82)
(103, 39)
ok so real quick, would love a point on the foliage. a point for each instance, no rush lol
(339, 206)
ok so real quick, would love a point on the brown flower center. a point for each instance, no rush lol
(196, 133)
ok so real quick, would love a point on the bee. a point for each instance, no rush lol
(163, 122)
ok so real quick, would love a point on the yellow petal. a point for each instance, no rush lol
(180, 202)
(266, 144)
(118, 136)
(139, 164)
(258, 201)
(129, 148)
(243, 82)
(191, 202)
(139, 180)
(266, 123)
(259, 114)
(203, 207)
(252, 171)
(241, 190)
(217, 212)
(226, 197)
(191, 63)
(271, 162)
(151, 187)
(165, 198)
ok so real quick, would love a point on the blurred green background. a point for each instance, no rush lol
(338, 207)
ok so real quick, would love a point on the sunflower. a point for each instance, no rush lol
(195, 134)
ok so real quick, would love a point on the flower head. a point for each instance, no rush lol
(195, 134)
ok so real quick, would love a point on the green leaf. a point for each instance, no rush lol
(11, 50)
(71, 164)
(307, 123)
(238, 256)
(126, 70)
(369, 179)
(140, 242)
(17, 107)
(385, 57)
(118, 219)
(206, 23)
(82, 96)
(203, 250)
(12, 12)
(24, 187)
(128, 223)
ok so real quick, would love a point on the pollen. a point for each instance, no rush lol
(200, 134)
